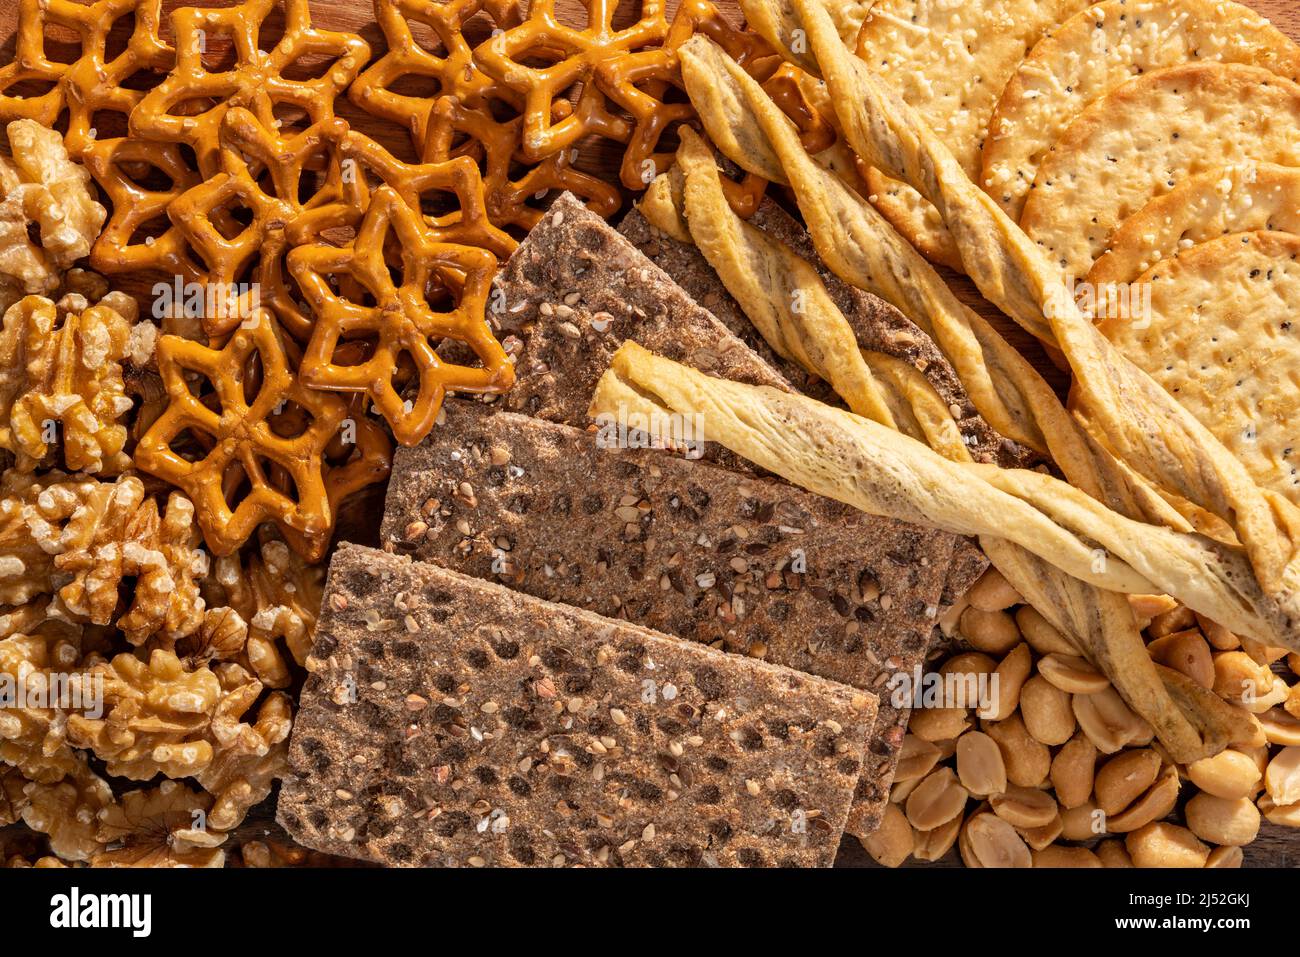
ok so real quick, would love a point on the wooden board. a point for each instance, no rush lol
(1276, 847)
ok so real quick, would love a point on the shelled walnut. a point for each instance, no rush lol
(278, 595)
(166, 826)
(61, 380)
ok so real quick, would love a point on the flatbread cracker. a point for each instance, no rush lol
(1232, 199)
(453, 722)
(950, 62)
(1099, 49)
(1223, 340)
(1143, 139)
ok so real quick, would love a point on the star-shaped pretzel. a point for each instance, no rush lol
(241, 446)
(573, 56)
(258, 80)
(271, 177)
(397, 317)
(450, 193)
(91, 81)
(116, 164)
(379, 90)
(509, 187)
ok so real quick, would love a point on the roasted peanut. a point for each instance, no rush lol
(1009, 678)
(989, 841)
(1229, 774)
(979, 764)
(1113, 853)
(936, 800)
(1260, 653)
(1165, 845)
(1057, 855)
(1238, 679)
(1083, 822)
(932, 845)
(1220, 638)
(994, 632)
(1292, 704)
(1155, 803)
(936, 724)
(1046, 711)
(1028, 761)
(1041, 634)
(1125, 778)
(1225, 857)
(1073, 769)
(1229, 821)
(964, 675)
(891, 843)
(1166, 623)
(1024, 807)
(1283, 815)
(1108, 722)
(916, 758)
(1187, 652)
(1282, 779)
(1279, 727)
(1072, 674)
(993, 592)
(1147, 607)
(1040, 837)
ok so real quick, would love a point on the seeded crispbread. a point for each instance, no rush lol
(455, 722)
(1224, 340)
(1233, 199)
(1147, 136)
(878, 326)
(574, 290)
(1097, 50)
(752, 565)
(949, 61)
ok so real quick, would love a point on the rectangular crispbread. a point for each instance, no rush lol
(455, 722)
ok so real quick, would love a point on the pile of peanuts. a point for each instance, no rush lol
(1057, 771)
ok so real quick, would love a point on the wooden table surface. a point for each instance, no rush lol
(1277, 847)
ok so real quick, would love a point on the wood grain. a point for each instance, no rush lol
(1276, 847)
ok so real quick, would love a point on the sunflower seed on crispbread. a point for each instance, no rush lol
(453, 722)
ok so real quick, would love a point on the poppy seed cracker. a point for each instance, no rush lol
(450, 721)
(753, 565)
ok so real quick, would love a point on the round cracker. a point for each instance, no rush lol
(1222, 335)
(1232, 199)
(1100, 48)
(1143, 139)
(949, 61)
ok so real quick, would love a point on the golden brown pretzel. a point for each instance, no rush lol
(399, 320)
(452, 68)
(90, 82)
(242, 447)
(256, 81)
(573, 56)
(267, 174)
(456, 130)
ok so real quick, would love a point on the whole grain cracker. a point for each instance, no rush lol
(1231, 199)
(1147, 136)
(1097, 50)
(750, 565)
(443, 726)
(1222, 338)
